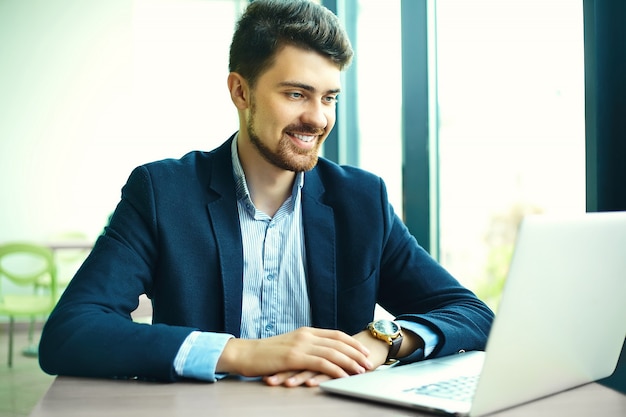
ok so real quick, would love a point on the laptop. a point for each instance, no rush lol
(561, 323)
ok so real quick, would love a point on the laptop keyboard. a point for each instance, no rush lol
(459, 388)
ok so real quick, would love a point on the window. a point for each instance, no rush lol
(379, 88)
(507, 89)
(91, 89)
(511, 127)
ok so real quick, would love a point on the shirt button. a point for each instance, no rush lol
(269, 327)
(270, 277)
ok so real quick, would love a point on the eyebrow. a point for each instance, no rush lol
(306, 87)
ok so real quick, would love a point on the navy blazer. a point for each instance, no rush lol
(175, 236)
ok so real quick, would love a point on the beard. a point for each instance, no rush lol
(287, 156)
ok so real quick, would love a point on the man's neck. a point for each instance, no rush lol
(269, 186)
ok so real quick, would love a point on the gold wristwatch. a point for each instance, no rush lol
(390, 332)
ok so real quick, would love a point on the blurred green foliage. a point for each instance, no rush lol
(500, 239)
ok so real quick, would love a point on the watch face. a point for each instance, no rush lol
(386, 327)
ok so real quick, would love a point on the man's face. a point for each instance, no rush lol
(292, 108)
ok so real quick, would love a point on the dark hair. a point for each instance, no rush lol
(268, 25)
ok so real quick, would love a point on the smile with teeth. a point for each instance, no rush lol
(304, 138)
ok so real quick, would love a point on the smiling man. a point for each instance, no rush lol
(287, 113)
(261, 259)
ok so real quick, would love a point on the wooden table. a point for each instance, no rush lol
(69, 397)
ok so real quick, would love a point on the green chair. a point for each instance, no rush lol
(70, 250)
(22, 266)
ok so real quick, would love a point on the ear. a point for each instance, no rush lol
(239, 90)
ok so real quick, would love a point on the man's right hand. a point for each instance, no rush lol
(328, 352)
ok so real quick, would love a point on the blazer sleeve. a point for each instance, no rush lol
(380, 262)
(415, 287)
(90, 332)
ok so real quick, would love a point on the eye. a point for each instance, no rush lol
(330, 99)
(294, 95)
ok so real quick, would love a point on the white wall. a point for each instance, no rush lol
(89, 89)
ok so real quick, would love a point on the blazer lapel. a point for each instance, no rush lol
(222, 207)
(319, 226)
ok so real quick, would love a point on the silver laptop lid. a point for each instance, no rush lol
(561, 322)
(568, 276)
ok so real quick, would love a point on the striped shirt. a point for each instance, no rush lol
(275, 298)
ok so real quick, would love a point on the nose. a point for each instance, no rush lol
(316, 114)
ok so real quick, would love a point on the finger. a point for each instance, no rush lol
(354, 352)
(299, 378)
(328, 361)
(296, 379)
(343, 355)
(331, 352)
(343, 338)
(279, 378)
(316, 380)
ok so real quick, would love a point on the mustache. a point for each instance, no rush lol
(306, 129)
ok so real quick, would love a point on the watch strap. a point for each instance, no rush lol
(394, 348)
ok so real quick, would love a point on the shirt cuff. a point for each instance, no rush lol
(198, 355)
(430, 338)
